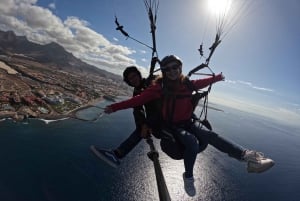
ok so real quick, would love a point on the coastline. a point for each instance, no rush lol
(52, 116)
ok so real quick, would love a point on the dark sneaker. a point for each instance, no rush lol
(256, 162)
(189, 186)
(106, 155)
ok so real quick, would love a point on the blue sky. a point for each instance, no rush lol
(259, 56)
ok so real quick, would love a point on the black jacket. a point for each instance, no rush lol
(149, 113)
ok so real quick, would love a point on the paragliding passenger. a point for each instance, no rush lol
(177, 111)
(133, 77)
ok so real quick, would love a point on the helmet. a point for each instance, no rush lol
(168, 59)
(129, 70)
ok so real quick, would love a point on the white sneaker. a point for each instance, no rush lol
(256, 162)
(189, 186)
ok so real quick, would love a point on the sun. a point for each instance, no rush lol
(219, 7)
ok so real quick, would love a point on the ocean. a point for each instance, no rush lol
(53, 162)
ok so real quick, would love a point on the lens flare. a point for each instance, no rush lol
(219, 7)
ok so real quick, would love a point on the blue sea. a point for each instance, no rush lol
(53, 162)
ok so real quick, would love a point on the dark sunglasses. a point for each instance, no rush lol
(169, 68)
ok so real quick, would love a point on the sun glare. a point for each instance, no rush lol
(219, 7)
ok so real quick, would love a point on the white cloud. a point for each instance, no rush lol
(6, 6)
(262, 89)
(248, 84)
(52, 6)
(230, 81)
(245, 83)
(40, 25)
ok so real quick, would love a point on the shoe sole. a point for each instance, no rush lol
(99, 155)
(260, 170)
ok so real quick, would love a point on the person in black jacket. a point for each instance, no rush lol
(144, 117)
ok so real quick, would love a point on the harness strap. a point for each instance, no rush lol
(169, 99)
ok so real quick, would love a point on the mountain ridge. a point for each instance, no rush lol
(51, 54)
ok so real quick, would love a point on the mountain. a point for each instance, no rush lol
(46, 81)
(52, 55)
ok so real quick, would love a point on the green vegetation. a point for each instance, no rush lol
(66, 106)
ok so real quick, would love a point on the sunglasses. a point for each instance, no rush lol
(173, 67)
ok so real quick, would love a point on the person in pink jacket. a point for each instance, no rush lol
(176, 116)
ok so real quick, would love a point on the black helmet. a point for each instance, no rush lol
(128, 70)
(168, 59)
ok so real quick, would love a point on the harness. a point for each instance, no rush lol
(169, 142)
(170, 98)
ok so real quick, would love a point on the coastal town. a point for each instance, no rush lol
(30, 89)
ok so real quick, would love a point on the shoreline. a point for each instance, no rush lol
(47, 118)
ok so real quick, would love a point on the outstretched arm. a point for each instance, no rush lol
(149, 94)
(202, 83)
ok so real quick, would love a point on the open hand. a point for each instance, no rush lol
(223, 77)
(220, 77)
(108, 110)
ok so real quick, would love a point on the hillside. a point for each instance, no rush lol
(45, 80)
